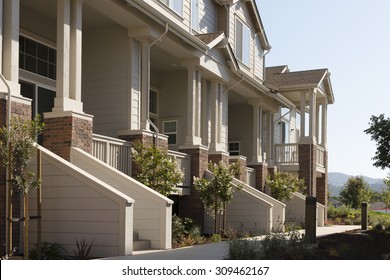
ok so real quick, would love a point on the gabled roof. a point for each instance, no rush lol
(283, 78)
(209, 37)
(280, 78)
(259, 28)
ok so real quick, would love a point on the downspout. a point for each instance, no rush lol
(7, 185)
(156, 131)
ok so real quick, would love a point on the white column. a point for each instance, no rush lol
(63, 51)
(303, 114)
(312, 116)
(145, 60)
(324, 123)
(269, 143)
(215, 116)
(257, 128)
(69, 29)
(206, 114)
(10, 38)
(318, 123)
(76, 49)
(193, 106)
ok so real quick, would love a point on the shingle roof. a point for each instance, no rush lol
(209, 37)
(280, 79)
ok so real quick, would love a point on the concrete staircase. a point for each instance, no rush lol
(140, 244)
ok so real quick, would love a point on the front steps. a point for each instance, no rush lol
(140, 244)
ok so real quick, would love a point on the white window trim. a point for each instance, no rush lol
(243, 43)
(171, 6)
(171, 133)
(239, 147)
(195, 15)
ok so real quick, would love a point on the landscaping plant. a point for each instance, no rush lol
(283, 184)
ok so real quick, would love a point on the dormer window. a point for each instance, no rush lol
(243, 35)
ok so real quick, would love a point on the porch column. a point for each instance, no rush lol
(145, 60)
(303, 114)
(206, 113)
(1, 35)
(257, 129)
(324, 123)
(216, 116)
(269, 143)
(318, 123)
(312, 117)
(10, 43)
(69, 19)
(67, 125)
(193, 107)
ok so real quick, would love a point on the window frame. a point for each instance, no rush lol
(243, 42)
(195, 15)
(176, 132)
(236, 152)
(174, 6)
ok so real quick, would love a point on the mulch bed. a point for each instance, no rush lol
(355, 245)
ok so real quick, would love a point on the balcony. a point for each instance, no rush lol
(287, 157)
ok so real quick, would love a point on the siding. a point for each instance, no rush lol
(208, 16)
(135, 91)
(105, 79)
(75, 206)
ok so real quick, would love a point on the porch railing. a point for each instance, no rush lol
(286, 154)
(114, 152)
(250, 177)
(320, 156)
(183, 163)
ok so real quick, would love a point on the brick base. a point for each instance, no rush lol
(218, 157)
(307, 167)
(261, 171)
(191, 206)
(241, 161)
(62, 133)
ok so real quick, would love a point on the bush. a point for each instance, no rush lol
(49, 251)
(185, 232)
(278, 246)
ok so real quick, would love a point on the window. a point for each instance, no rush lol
(175, 5)
(243, 35)
(170, 129)
(37, 58)
(234, 148)
(195, 15)
(153, 105)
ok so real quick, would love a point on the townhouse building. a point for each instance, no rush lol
(186, 75)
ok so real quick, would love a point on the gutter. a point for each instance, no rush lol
(148, 82)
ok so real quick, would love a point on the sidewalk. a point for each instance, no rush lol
(213, 251)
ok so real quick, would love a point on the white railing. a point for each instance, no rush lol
(114, 152)
(183, 163)
(320, 156)
(250, 177)
(286, 154)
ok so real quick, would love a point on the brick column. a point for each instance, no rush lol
(307, 167)
(322, 186)
(261, 171)
(241, 161)
(148, 139)
(66, 130)
(191, 205)
(219, 156)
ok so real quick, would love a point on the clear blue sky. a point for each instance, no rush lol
(352, 39)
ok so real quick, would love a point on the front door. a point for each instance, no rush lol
(42, 99)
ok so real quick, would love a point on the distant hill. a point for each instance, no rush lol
(337, 181)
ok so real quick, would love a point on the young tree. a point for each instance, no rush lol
(380, 132)
(217, 192)
(283, 184)
(157, 170)
(385, 193)
(355, 191)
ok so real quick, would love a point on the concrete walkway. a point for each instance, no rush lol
(213, 251)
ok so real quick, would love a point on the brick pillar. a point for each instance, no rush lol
(191, 205)
(148, 139)
(241, 161)
(66, 131)
(261, 171)
(322, 186)
(307, 167)
(22, 110)
(217, 157)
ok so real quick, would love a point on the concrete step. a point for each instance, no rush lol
(140, 244)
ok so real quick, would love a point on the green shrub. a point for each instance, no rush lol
(185, 232)
(280, 246)
(49, 251)
(215, 238)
